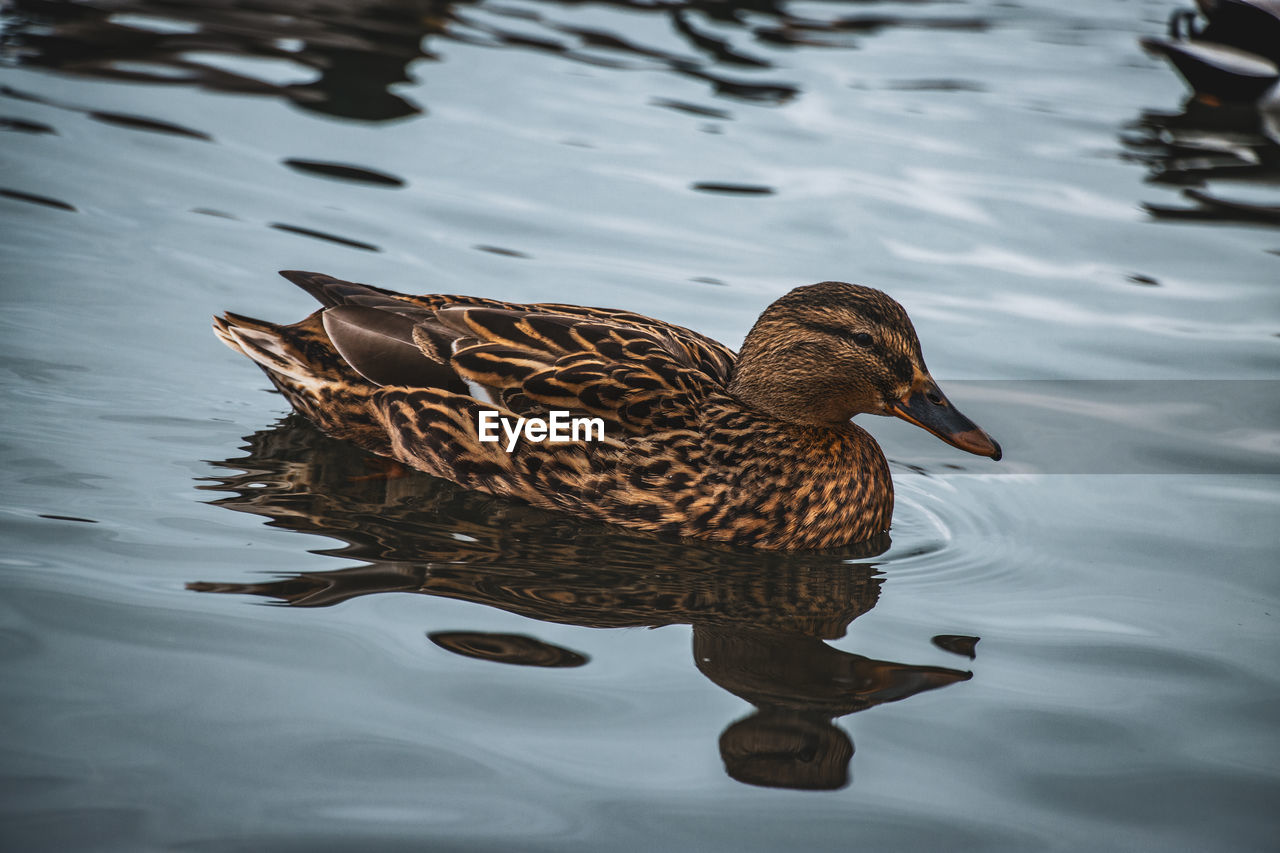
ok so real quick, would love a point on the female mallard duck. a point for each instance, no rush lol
(755, 449)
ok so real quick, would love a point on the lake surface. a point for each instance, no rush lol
(1075, 648)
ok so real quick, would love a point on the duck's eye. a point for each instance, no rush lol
(862, 339)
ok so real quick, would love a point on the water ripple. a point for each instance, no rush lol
(960, 532)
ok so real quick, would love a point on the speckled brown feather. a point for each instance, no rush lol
(682, 454)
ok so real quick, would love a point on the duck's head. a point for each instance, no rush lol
(826, 352)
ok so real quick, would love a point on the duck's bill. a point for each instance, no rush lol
(930, 410)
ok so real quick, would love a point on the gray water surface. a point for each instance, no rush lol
(998, 168)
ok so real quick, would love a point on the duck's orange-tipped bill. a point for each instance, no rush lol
(930, 410)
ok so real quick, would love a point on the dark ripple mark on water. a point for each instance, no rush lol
(517, 649)
(733, 189)
(208, 211)
(19, 95)
(498, 250)
(18, 195)
(37, 370)
(23, 126)
(150, 125)
(321, 235)
(126, 120)
(692, 109)
(68, 518)
(935, 85)
(345, 172)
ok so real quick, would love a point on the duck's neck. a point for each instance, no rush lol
(767, 380)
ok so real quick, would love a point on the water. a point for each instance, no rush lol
(987, 164)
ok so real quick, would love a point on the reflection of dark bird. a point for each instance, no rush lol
(756, 449)
(1231, 124)
(759, 618)
(1234, 57)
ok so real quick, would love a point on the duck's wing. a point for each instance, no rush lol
(636, 373)
(699, 350)
(637, 378)
(690, 348)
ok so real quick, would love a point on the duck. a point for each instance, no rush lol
(756, 448)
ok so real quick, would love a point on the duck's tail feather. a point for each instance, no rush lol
(302, 362)
(385, 337)
(382, 346)
(332, 292)
(266, 343)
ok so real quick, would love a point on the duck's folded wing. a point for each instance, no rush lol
(636, 376)
(698, 351)
(637, 373)
(689, 347)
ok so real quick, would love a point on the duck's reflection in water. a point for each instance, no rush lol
(760, 620)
